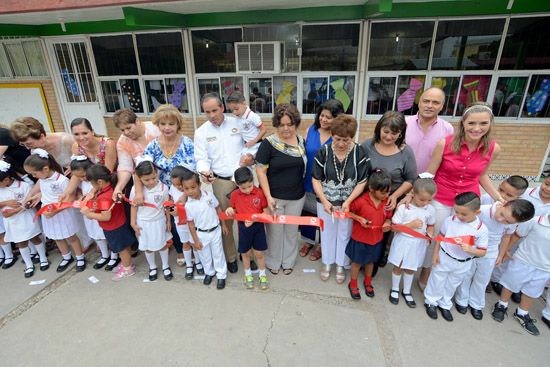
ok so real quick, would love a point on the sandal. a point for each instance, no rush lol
(340, 274)
(325, 273)
(273, 271)
(180, 262)
(316, 254)
(305, 249)
(288, 271)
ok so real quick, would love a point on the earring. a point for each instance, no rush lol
(400, 136)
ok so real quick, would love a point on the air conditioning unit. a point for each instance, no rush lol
(258, 57)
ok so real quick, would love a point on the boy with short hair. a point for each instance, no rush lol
(250, 124)
(204, 226)
(510, 189)
(249, 199)
(451, 262)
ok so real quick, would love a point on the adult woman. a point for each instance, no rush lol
(460, 163)
(339, 175)
(317, 135)
(388, 150)
(280, 164)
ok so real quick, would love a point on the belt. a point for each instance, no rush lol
(208, 230)
(221, 178)
(459, 260)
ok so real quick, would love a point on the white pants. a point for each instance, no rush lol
(444, 280)
(212, 252)
(334, 238)
(472, 290)
(442, 212)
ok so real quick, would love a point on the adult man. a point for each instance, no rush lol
(424, 131)
(218, 148)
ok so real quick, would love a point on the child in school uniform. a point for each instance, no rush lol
(365, 244)
(501, 223)
(60, 224)
(407, 253)
(152, 225)
(18, 220)
(204, 225)
(250, 199)
(451, 262)
(176, 192)
(250, 124)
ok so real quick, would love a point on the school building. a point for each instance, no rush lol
(62, 59)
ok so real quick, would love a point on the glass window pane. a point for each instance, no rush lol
(536, 101)
(214, 51)
(5, 70)
(467, 44)
(285, 89)
(208, 86)
(155, 94)
(17, 58)
(111, 96)
(380, 96)
(330, 47)
(67, 71)
(449, 85)
(33, 52)
(131, 94)
(260, 95)
(409, 90)
(176, 88)
(508, 96)
(342, 89)
(114, 55)
(289, 35)
(160, 53)
(229, 85)
(527, 45)
(400, 45)
(474, 88)
(84, 71)
(315, 92)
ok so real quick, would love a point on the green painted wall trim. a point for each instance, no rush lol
(155, 18)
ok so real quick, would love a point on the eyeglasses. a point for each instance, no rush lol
(27, 145)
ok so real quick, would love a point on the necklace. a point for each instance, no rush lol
(340, 173)
(170, 153)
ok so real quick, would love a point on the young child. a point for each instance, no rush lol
(152, 225)
(79, 165)
(501, 223)
(117, 231)
(528, 273)
(365, 244)
(451, 262)
(176, 192)
(59, 225)
(250, 123)
(18, 220)
(510, 189)
(407, 253)
(250, 199)
(204, 225)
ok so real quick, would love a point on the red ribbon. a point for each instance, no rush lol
(145, 204)
(280, 219)
(182, 214)
(92, 204)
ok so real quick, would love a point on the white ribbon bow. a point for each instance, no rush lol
(4, 166)
(41, 153)
(78, 157)
(426, 175)
(144, 158)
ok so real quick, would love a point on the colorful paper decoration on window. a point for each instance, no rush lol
(537, 102)
(340, 93)
(70, 83)
(472, 89)
(228, 87)
(406, 100)
(175, 98)
(284, 97)
(133, 100)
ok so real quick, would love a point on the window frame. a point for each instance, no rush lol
(11, 75)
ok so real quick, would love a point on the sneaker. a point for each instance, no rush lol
(117, 268)
(264, 283)
(499, 311)
(527, 322)
(248, 281)
(124, 273)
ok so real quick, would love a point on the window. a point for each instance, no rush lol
(342, 88)
(315, 92)
(169, 90)
(122, 93)
(75, 72)
(160, 53)
(527, 45)
(400, 45)
(409, 90)
(449, 85)
(289, 35)
(22, 59)
(467, 44)
(330, 47)
(536, 101)
(4, 65)
(224, 86)
(114, 55)
(214, 50)
(380, 95)
(508, 95)
(284, 89)
(261, 93)
(473, 88)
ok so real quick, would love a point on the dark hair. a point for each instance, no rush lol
(344, 126)
(396, 122)
(235, 97)
(518, 182)
(178, 172)
(38, 163)
(212, 95)
(187, 175)
(12, 172)
(124, 116)
(522, 210)
(286, 109)
(426, 185)
(82, 165)
(468, 199)
(100, 172)
(334, 106)
(379, 180)
(146, 168)
(83, 121)
(243, 175)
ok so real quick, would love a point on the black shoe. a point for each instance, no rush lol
(168, 276)
(527, 322)
(45, 266)
(516, 297)
(11, 263)
(199, 271)
(353, 295)
(394, 300)
(2, 261)
(461, 309)
(101, 263)
(111, 267)
(253, 265)
(546, 321)
(477, 314)
(64, 265)
(29, 272)
(369, 290)
(189, 272)
(383, 262)
(497, 287)
(153, 274)
(207, 279)
(431, 310)
(499, 311)
(411, 304)
(80, 268)
(447, 315)
(232, 267)
(221, 284)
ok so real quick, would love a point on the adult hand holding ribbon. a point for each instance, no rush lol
(280, 219)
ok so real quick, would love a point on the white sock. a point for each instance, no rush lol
(248, 272)
(262, 272)
(164, 258)
(80, 259)
(7, 251)
(505, 304)
(32, 249)
(1, 253)
(150, 256)
(41, 249)
(103, 247)
(26, 255)
(407, 283)
(67, 256)
(188, 257)
(197, 257)
(395, 281)
(521, 312)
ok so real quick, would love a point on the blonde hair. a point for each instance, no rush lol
(170, 112)
(458, 138)
(26, 127)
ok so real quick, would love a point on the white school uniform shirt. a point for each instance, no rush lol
(19, 227)
(250, 124)
(496, 229)
(535, 247)
(486, 199)
(219, 148)
(534, 197)
(52, 187)
(156, 196)
(176, 195)
(453, 227)
(405, 215)
(202, 212)
(85, 187)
